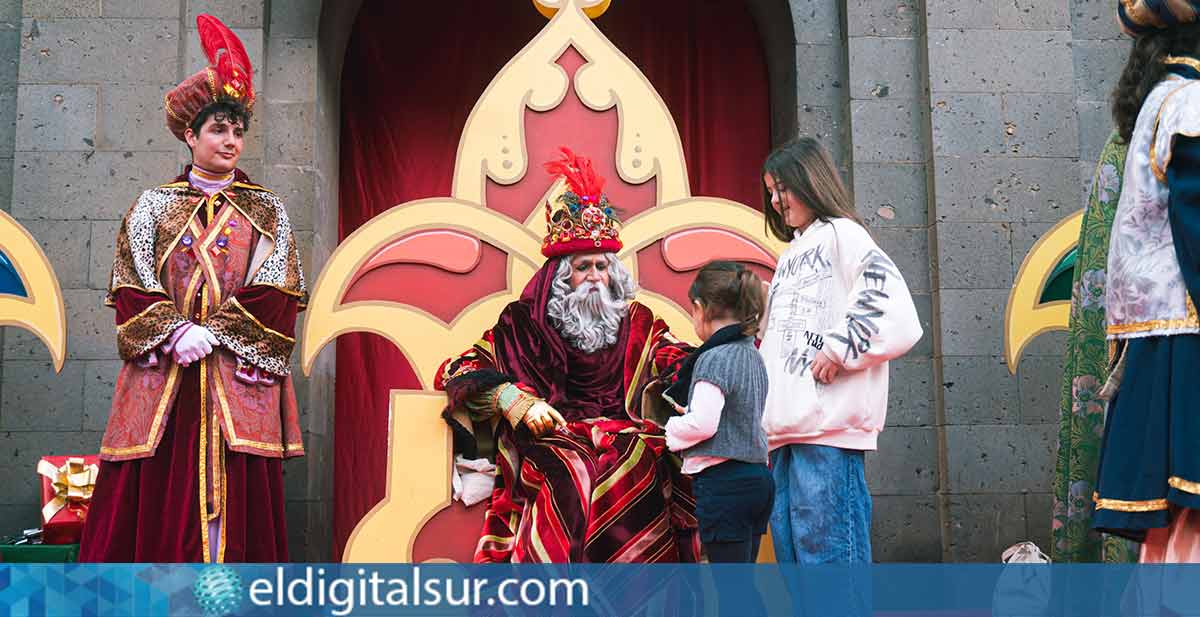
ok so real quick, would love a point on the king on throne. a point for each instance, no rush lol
(581, 474)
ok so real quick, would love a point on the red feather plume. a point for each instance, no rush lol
(225, 52)
(581, 177)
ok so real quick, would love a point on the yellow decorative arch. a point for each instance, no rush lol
(1025, 316)
(41, 311)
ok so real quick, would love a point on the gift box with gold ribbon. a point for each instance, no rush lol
(67, 483)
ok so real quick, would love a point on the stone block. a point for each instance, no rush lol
(234, 13)
(1034, 15)
(1039, 517)
(291, 134)
(131, 118)
(905, 463)
(295, 19)
(296, 186)
(1094, 19)
(982, 526)
(825, 125)
(8, 117)
(887, 131)
(1000, 189)
(38, 399)
(10, 52)
(319, 544)
(54, 9)
(252, 167)
(910, 392)
(103, 250)
(99, 382)
(292, 74)
(905, 529)
(142, 9)
(891, 194)
(1001, 458)
(967, 125)
(873, 18)
(968, 61)
(1024, 236)
(66, 245)
(924, 346)
(296, 514)
(1098, 66)
(1095, 126)
(1041, 125)
(86, 185)
(10, 11)
(884, 68)
(56, 118)
(6, 178)
(1041, 389)
(295, 479)
(304, 242)
(18, 466)
(823, 82)
(81, 50)
(18, 516)
(1048, 344)
(979, 390)
(975, 255)
(909, 249)
(91, 334)
(980, 14)
(972, 321)
(816, 21)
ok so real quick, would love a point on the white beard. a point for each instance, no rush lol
(588, 320)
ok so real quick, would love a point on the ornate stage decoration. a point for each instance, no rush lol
(1040, 300)
(30, 296)
(448, 233)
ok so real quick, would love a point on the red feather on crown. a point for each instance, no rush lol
(229, 75)
(583, 222)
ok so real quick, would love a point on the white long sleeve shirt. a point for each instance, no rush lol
(699, 423)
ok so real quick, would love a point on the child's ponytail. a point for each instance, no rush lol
(729, 289)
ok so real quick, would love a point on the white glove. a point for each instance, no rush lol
(193, 344)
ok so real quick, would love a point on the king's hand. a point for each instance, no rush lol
(542, 419)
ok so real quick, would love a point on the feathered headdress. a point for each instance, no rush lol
(229, 75)
(584, 220)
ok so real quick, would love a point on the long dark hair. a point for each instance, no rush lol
(805, 168)
(729, 289)
(1144, 69)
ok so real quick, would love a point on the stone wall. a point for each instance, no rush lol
(966, 128)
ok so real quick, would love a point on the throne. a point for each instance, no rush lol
(576, 83)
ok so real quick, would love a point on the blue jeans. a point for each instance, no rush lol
(822, 511)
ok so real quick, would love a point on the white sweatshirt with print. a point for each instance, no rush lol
(834, 292)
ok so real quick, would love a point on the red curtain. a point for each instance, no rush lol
(412, 73)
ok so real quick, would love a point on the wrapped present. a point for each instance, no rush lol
(67, 483)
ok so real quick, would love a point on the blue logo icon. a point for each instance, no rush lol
(218, 591)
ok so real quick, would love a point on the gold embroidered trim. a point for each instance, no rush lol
(1149, 505)
(159, 413)
(1184, 60)
(238, 441)
(238, 306)
(170, 110)
(1161, 173)
(1186, 486)
(1190, 321)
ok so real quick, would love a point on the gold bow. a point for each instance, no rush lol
(73, 484)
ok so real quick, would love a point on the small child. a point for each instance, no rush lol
(721, 390)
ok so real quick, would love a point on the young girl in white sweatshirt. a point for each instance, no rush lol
(838, 310)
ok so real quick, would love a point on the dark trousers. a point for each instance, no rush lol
(733, 505)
